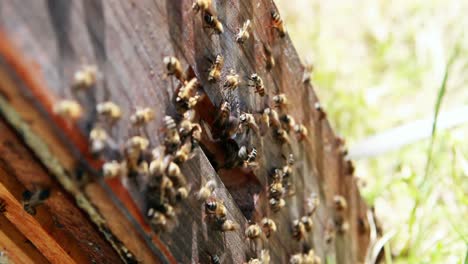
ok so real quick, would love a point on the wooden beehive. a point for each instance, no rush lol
(89, 219)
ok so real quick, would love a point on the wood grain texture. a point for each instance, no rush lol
(127, 40)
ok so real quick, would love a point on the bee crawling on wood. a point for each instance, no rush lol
(69, 109)
(298, 230)
(308, 69)
(183, 153)
(301, 132)
(278, 23)
(172, 138)
(225, 122)
(85, 78)
(215, 69)
(276, 189)
(229, 225)
(340, 203)
(253, 231)
(134, 149)
(281, 135)
(174, 67)
(268, 226)
(243, 33)
(247, 120)
(98, 139)
(187, 128)
(112, 169)
(212, 22)
(206, 190)
(288, 168)
(175, 174)
(257, 82)
(109, 110)
(276, 204)
(307, 222)
(187, 96)
(32, 199)
(142, 116)
(232, 80)
(280, 101)
(215, 211)
(247, 157)
(269, 59)
(320, 111)
(158, 220)
(201, 5)
(272, 116)
(288, 122)
(264, 258)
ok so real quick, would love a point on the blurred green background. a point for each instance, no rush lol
(380, 64)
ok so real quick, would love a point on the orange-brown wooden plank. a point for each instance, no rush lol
(16, 247)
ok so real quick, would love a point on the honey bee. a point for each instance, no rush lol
(273, 117)
(111, 169)
(257, 82)
(269, 59)
(172, 138)
(276, 204)
(340, 203)
(158, 220)
(298, 230)
(133, 151)
(232, 80)
(248, 120)
(268, 226)
(158, 166)
(253, 231)
(225, 122)
(276, 189)
(85, 78)
(215, 69)
(243, 33)
(175, 174)
(349, 166)
(280, 101)
(174, 67)
(308, 68)
(182, 193)
(281, 135)
(248, 157)
(142, 116)
(188, 90)
(229, 225)
(320, 111)
(287, 169)
(183, 153)
(206, 190)
(187, 128)
(307, 222)
(215, 208)
(343, 226)
(288, 122)
(68, 109)
(278, 24)
(264, 258)
(310, 257)
(213, 22)
(313, 202)
(98, 138)
(202, 5)
(109, 110)
(301, 132)
(296, 259)
(32, 199)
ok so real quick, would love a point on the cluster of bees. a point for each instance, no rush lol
(166, 185)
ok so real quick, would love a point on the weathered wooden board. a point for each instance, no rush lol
(127, 40)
